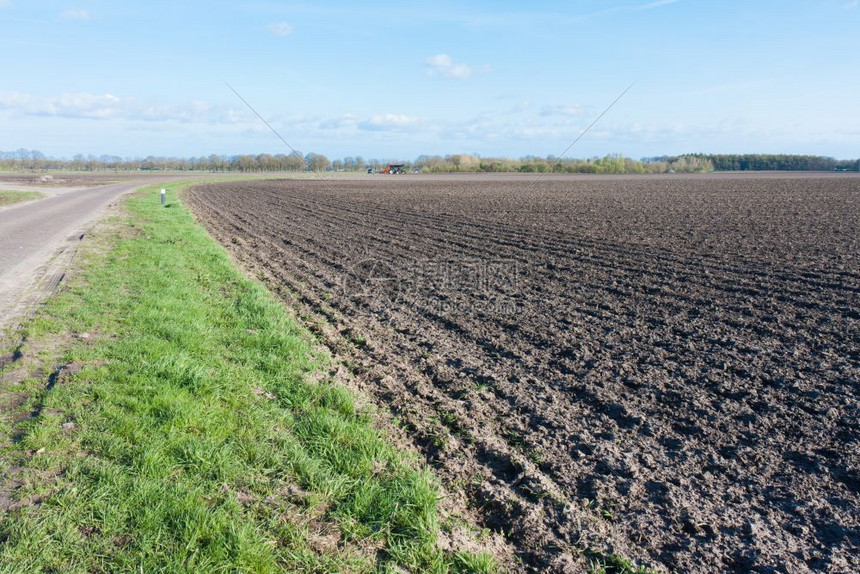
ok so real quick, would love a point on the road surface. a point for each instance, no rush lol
(38, 240)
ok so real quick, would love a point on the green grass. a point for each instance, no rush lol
(613, 564)
(200, 440)
(10, 197)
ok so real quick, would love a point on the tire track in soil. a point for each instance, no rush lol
(677, 389)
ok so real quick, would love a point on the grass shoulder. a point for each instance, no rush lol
(9, 197)
(187, 428)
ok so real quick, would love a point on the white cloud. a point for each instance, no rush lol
(657, 4)
(374, 123)
(442, 65)
(75, 14)
(344, 121)
(83, 105)
(4, 3)
(280, 29)
(562, 110)
(77, 105)
(389, 122)
(851, 5)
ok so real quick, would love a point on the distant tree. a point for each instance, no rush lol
(267, 162)
(294, 163)
(245, 163)
(463, 162)
(317, 162)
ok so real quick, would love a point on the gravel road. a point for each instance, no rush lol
(38, 240)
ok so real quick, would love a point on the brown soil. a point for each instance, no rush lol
(664, 369)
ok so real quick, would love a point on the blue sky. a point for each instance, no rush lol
(394, 80)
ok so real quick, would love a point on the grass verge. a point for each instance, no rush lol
(9, 197)
(188, 429)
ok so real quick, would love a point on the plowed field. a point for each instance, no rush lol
(660, 368)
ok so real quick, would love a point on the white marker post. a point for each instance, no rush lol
(163, 196)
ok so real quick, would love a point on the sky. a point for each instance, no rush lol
(400, 79)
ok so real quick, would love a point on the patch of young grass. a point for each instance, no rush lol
(8, 197)
(190, 437)
(599, 563)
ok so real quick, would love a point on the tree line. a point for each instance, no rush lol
(773, 162)
(34, 160)
(612, 163)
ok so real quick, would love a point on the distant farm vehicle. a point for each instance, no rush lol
(394, 169)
